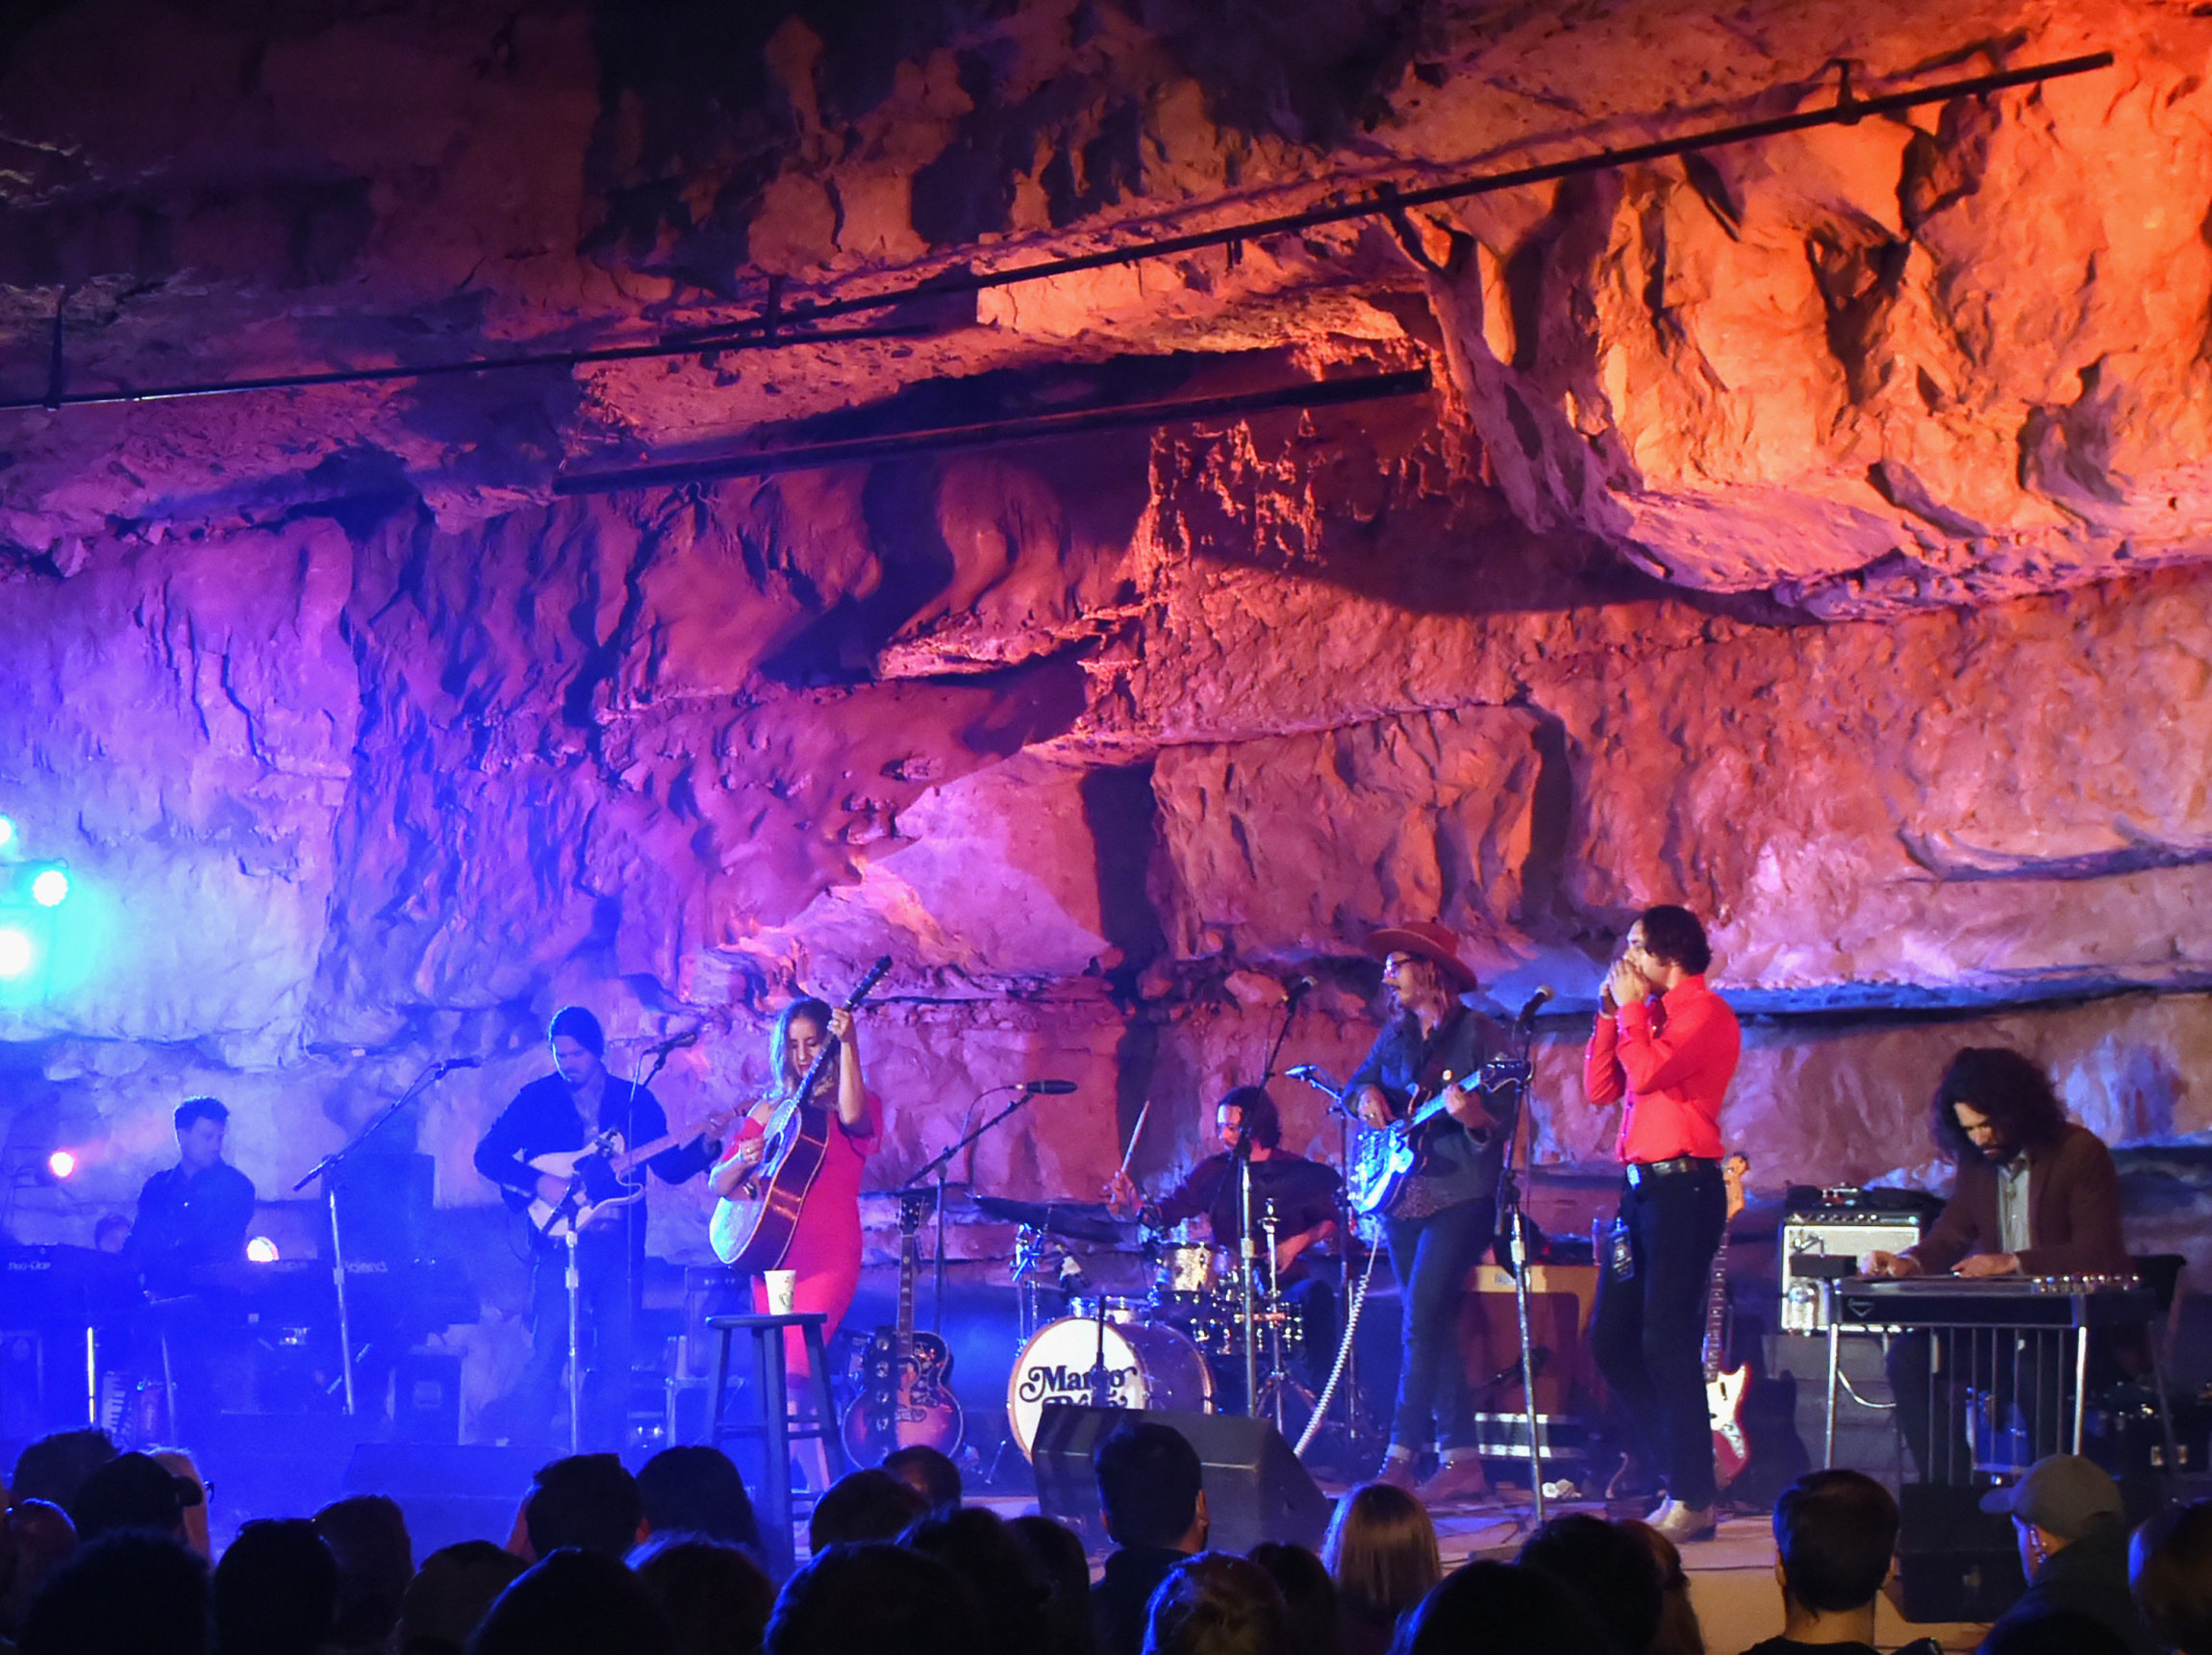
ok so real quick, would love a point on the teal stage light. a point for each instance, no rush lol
(49, 888)
(19, 953)
(7, 833)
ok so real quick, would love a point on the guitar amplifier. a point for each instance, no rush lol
(1829, 1242)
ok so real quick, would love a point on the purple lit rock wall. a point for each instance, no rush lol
(1815, 533)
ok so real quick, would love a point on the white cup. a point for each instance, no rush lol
(782, 1288)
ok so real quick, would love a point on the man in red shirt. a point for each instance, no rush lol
(1666, 1045)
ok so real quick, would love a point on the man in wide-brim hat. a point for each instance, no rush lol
(1440, 1223)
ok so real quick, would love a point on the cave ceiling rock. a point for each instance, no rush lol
(1788, 365)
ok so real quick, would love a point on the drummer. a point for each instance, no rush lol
(1306, 1196)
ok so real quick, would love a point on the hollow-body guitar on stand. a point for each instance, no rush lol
(908, 1399)
(753, 1226)
(1725, 1388)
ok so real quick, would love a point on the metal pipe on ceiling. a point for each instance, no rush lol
(767, 461)
(780, 324)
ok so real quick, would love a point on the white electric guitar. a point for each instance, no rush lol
(597, 1176)
(1725, 1388)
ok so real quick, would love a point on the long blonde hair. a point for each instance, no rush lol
(1381, 1548)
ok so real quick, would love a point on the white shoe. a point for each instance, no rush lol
(1666, 1504)
(1683, 1523)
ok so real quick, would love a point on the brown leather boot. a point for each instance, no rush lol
(1456, 1479)
(1400, 1471)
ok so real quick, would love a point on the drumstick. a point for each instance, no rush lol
(1135, 1132)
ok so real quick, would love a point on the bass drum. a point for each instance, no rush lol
(1147, 1366)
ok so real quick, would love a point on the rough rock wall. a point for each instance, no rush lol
(1775, 541)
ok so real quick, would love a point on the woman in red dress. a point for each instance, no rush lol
(825, 1241)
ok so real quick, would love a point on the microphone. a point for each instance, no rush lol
(674, 1042)
(1303, 1071)
(1296, 989)
(1056, 1088)
(1535, 1004)
(448, 1066)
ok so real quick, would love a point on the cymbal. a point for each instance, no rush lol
(1077, 1221)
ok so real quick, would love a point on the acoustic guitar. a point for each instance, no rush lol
(1725, 1388)
(753, 1225)
(909, 1396)
(597, 1177)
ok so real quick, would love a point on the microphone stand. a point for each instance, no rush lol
(1523, 1140)
(323, 1169)
(937, 1167)
(1249, 1259)
(1291, 998)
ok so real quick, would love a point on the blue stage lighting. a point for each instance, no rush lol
(49, 888)
(18, 953)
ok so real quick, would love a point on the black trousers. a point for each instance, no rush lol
(1431, 1257)
(603, 1339)
(1648, 1331)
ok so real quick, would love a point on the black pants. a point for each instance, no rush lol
(1431, 1258)
(603, 1338)
(1648, 1331)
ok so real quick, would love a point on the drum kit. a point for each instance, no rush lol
(1187, 1343)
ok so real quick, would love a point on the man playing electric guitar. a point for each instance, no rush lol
(1444, 1220)
(554, 1114)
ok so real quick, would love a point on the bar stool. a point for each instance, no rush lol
(776, 1425)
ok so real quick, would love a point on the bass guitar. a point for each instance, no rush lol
(597, 1177)
(753, 1225)
(908, 1399)
(1725, 1388)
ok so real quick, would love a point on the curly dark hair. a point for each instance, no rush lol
(2012, 1092)
(1258, 1114)
(1675, 936)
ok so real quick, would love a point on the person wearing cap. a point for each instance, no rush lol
(134, 1492)
(2065, 1513)
(561, 1112)
(1444, 1220)
(1665, 1049)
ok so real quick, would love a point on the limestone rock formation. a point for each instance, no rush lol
(1813, 531)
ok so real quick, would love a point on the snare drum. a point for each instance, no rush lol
(1147, 1366)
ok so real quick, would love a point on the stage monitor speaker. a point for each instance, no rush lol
(1256, 1490)
(1955, 1562)
(448, 1492)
